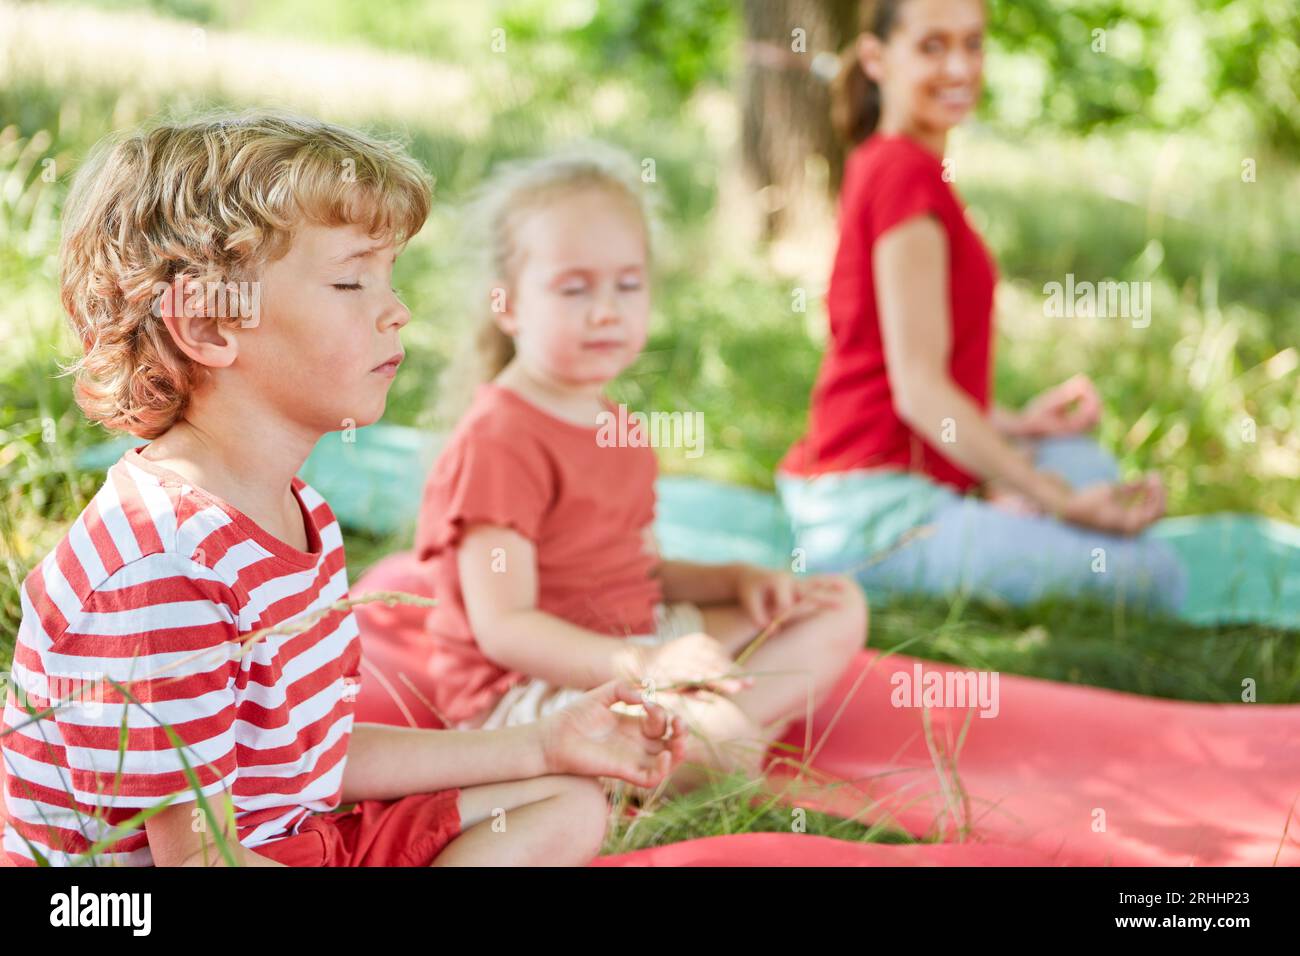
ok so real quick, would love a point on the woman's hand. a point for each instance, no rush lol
(590, 739)
(1011, 501)
(1067, 409)
(1125, 508)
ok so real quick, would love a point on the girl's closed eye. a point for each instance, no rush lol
(347, 286)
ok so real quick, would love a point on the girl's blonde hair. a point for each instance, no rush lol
(209, 200)
(515, 191)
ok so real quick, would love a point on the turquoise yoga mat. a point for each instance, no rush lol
(1241, 568)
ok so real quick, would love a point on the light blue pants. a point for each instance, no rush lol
(975, 547)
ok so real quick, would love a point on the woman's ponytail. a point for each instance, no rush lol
(855, 97)
(855, 100)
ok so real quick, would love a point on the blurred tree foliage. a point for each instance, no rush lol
(676, 45)
(1167, 63)
(1234, 64)
(1162, 63)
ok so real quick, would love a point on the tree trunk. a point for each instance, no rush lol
(790, 151)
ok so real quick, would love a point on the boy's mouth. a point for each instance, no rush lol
(603, 346)
(389, 365)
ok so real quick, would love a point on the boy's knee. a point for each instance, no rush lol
(585, 808)
(577, 789)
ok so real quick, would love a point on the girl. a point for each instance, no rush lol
(902, 426)
(536, 518)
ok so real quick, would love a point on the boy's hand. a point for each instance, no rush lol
(694, 659)
(771, 595)
(590, 739)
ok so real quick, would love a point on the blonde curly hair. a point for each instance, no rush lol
(208, 200)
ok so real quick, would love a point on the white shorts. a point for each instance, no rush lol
(533, 699)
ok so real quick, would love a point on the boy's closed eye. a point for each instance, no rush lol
(355, 286)
(371, 260)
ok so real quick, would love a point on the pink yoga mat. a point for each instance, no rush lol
(1087, 776)
(790, 849)
(1179, 784)
(1079, 775)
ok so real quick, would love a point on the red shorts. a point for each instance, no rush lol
(406, 832)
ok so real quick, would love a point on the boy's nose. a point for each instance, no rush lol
(396, 316)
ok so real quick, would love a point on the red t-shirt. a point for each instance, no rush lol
(157, 585)
(583, 502)
(853, 423)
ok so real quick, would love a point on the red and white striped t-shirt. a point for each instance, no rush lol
(154, 587)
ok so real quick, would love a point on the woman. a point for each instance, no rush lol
(902, 430)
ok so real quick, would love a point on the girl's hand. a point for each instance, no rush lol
(693, 659)
(768, 596)
(765, 595)
(587, 738)
(1068, 409)
(1118, 508)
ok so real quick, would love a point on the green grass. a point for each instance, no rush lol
(733, 804)
(1222, 257)
(1074, 642)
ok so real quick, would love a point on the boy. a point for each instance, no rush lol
(229, 279)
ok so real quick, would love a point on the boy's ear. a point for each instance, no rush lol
(183, 308)
(502, 308)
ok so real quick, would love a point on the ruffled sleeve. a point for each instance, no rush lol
(485, 479)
